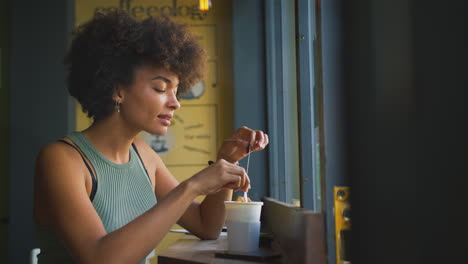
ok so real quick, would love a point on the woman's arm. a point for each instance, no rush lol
(206, 219)
(233, 149)
(74, 219)
(192, 219)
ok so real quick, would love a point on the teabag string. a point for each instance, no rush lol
(246, 199)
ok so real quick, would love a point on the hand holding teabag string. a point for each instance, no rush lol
(236, 147)
(241, 144)
(245, 198)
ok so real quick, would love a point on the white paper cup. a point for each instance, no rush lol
(243, 211)
(243, 225)
(243, 236)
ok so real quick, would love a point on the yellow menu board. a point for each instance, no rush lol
(206, 115)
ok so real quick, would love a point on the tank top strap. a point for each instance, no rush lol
(96, 157)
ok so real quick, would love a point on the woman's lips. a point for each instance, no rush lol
(165, 120)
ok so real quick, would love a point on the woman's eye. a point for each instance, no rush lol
(159, 90)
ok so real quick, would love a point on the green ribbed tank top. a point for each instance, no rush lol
(124, 192)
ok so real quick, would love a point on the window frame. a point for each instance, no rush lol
(280, 46)
(260, 59)
(308, 86)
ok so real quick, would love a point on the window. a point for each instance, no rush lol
(282, 107)
(292, 103)
(275, 90)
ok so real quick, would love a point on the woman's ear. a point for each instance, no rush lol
(118, 94)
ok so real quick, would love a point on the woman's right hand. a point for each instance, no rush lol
(220, 175)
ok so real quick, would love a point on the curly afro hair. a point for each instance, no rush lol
(108, 49)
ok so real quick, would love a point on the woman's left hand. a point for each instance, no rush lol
(236, 147)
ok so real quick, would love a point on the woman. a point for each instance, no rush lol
(103, 195)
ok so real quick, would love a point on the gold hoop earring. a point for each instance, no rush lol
(117, 107)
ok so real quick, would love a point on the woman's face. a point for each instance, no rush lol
(150, 102)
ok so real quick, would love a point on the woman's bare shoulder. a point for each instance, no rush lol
(57, 155)
(56, 168)
(57, 150)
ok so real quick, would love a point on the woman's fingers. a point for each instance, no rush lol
(246, 186)
(236, 177)
(241, 143)
(247, 134)
(261, 140)
(234, 181)
(221, 174)
(257, 138)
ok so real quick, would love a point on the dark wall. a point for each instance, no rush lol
(441, 113)
(4, 130)
(40, 109)
(406, 80)
(332, 29)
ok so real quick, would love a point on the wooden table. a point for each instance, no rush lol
(190, 249)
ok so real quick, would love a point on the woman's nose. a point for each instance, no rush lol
(173, 102)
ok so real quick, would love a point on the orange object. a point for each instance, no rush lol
(241, 199)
